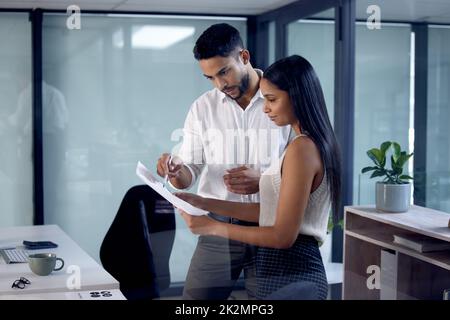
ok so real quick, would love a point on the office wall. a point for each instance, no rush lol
(16, 170)
(382, 97)
(124, 86)
(438, 142)
(314, 40)
(382, 63)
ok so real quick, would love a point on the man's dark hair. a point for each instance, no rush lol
(218, 40)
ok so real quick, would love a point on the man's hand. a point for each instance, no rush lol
(171, 169)
(242, 180)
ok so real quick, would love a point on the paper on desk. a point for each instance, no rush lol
(151, 180)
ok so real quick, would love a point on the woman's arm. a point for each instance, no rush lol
(242, 211)
(301, 163)
(260, 236)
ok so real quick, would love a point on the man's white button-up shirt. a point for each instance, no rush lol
(219, 135)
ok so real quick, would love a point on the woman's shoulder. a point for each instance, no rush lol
(302, 143)
(303, 149)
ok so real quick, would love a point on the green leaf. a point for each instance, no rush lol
(398, 170)
(376, 155)
(383, 163)
(390, 176)
(393, 162)
(385, 146)
(398, 160)
(406, 177)
(390, 181)
(367, 169)
(397, 150)
(404, 157)
(372, 156)
(402, 160)
(330, 224)
(378, 173)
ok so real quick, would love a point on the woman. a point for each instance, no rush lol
(296, 193)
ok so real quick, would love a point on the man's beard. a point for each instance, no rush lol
(243, 86)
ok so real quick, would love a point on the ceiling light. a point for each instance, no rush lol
(159, 37)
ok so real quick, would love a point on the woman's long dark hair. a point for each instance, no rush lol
(296, 76)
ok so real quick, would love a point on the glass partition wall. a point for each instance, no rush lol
(16, 159)
(313, 39)
(120, 90)
(383, 109)
(438, 117)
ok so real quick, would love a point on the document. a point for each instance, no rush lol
(156, 185)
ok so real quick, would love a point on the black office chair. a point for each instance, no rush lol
(136, 249)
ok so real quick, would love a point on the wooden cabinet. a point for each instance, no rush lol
(418, 275)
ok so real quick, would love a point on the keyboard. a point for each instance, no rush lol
(14, 255)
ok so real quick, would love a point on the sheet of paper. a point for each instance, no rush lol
(156, 185)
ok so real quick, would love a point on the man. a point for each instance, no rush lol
(228, 141)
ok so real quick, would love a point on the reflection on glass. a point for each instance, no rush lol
(438, 112)
(16, 175)
(55, 119)
(128, 83)
(314, 40)
(382, 97)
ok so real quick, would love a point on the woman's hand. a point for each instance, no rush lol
(201, 225)
(195, 200)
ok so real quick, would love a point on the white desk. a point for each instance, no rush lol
(92, 275)
(113, 294)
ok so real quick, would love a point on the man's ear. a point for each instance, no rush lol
(245, 56)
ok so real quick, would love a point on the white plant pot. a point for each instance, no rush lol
(392, 197)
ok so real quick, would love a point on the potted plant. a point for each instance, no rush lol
(394, 191)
